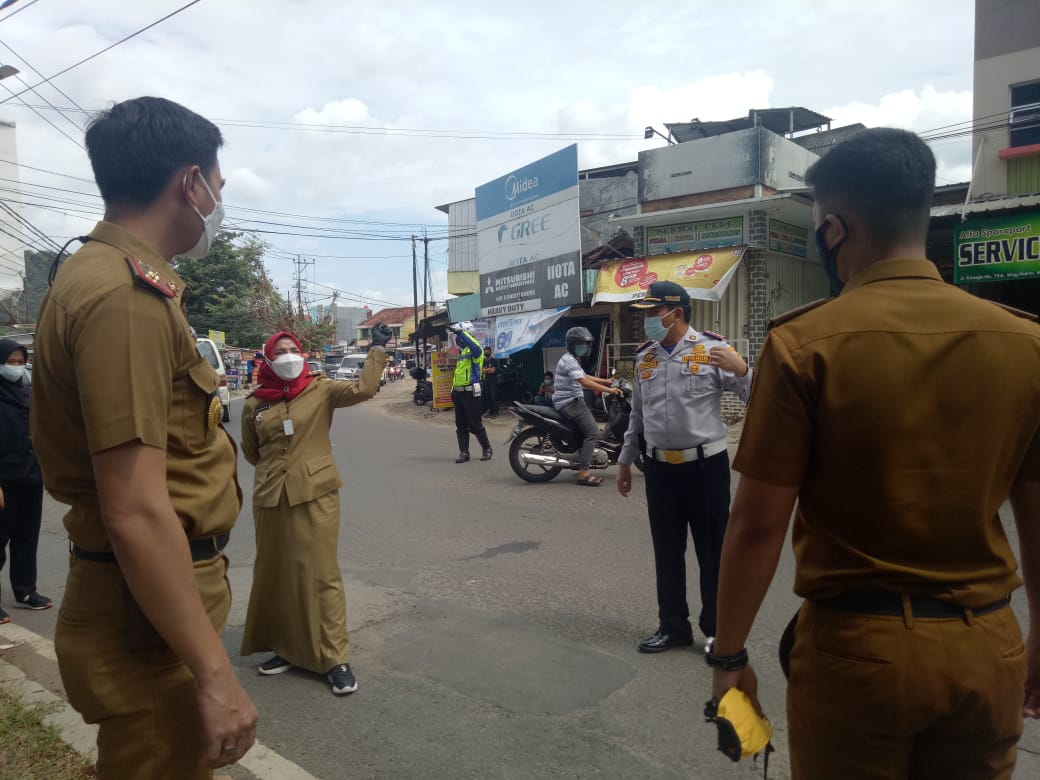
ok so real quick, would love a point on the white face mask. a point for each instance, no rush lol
(288, 367)
(12, 373)
(210, 226)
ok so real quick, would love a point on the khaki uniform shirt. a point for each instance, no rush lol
(115, 362)
(300, 462)
(675, 398)
(903, 410)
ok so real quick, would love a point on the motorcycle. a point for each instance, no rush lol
(423, 393)
(544, 442)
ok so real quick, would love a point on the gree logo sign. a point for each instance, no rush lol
(525, 228)
(515, 186)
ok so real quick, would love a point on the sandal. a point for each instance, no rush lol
(4, 617)
(590, 481)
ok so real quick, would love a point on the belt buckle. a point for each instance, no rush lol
(673, 456)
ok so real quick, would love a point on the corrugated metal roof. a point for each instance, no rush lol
(992, 204)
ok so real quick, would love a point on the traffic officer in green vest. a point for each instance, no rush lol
(466, 392)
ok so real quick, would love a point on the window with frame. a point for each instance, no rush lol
(1024, 117)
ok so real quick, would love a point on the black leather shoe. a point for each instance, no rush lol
(463, 457)
(660, 642)
(486, 455)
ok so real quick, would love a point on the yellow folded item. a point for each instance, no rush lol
(742, 731)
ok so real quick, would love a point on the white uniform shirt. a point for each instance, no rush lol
(675, 402)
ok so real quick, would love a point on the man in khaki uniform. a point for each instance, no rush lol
(125, 423)
(900, 415)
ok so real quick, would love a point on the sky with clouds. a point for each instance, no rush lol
(357, 119)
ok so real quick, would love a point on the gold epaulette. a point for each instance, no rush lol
(790, 315)
(713, 335)
(149, 278)
(644, 345)
(1018, 312)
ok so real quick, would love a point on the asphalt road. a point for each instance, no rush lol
(493, 625)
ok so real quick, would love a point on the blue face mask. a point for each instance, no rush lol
(653, 327)
(581, 350)
(829, 257)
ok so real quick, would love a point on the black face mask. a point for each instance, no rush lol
(829, 257)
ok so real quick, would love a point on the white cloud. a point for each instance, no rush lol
(921, 110)
(348, 111)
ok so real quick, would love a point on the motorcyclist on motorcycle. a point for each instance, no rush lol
(569, 381)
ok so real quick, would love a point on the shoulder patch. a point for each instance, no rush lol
(713, 335)
(1018, 312)
(644, 345)
(147, 277)
(790, 315)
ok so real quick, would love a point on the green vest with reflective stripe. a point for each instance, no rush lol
(463, 376)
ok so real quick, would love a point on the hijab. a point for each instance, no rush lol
(15, 393)
(273, 387)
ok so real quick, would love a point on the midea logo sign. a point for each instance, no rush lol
(516, 186)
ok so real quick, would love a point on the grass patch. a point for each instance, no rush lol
(32, 750)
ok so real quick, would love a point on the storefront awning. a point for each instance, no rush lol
(431, 327)
(703, 274)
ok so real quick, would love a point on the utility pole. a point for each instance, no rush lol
(415, 304)
(298, 276)
(426, 277)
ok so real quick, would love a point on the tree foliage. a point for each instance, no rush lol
(229, 290)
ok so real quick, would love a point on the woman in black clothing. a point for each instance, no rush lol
(21, 484)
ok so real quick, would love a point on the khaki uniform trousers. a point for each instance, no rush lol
(144, 701)
(877, 697)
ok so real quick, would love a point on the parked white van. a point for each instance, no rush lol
(208, 349)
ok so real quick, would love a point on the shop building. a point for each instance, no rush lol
(987, 240)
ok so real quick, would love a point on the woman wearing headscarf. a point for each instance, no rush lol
(21, 485)
(297, 609)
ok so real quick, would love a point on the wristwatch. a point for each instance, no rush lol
(728, 663)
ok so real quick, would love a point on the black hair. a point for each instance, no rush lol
(886, 177)
(137, 145)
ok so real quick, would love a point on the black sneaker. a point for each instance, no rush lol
(274, 665)
(342, 680)
(35, 601)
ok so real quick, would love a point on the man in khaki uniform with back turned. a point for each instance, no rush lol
(900, 415)
(125, 423)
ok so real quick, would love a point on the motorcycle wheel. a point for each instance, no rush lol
(531, 441)
(419, 397)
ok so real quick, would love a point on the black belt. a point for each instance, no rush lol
(201, 550)
(892, 604)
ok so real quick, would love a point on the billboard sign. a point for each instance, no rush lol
(997, 249)
(704, 275)
(787, 238)
(688, 236)
(528, 239)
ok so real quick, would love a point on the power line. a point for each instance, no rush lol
(41, 116)
(19, 10)
(55, 87)
(46, 170)
(408, 132)
(107, 48)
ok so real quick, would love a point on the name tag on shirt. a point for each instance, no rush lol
(287, 427)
